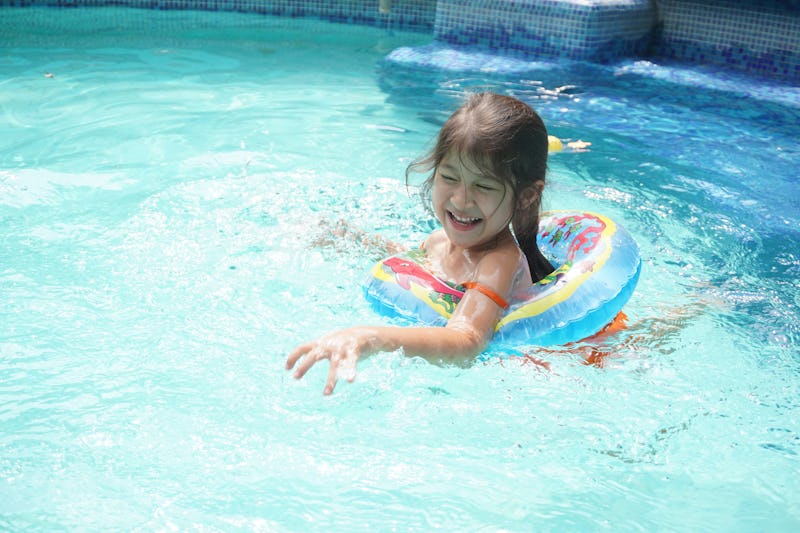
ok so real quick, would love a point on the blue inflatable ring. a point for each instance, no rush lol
(597, 267)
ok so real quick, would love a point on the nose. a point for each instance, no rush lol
(461, 198)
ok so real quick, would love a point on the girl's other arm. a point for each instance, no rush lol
(343, 232)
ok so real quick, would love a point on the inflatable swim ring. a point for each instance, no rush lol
(597, 267)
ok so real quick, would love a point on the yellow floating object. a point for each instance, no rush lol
(554, 144)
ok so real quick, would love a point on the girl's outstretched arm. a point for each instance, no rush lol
(343, 348)
(467, 333)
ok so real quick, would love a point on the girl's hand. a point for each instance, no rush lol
(341, 348)
(342, 233)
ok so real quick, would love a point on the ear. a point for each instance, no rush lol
(530, 195)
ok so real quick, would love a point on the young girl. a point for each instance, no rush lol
(488, 167)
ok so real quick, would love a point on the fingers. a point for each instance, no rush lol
(308, 355)
(341, 366)
(296, 354)
(342, 362)
(347, 367)
(330, 383)
(311, 357)
(312, 354)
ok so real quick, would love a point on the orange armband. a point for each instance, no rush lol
(486, 291)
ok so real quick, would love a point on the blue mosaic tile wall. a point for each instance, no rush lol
(758, 37)
(411, 15)
(594, 30)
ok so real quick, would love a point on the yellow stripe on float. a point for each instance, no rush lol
(379, 273)
(423, 294)
(538, 307)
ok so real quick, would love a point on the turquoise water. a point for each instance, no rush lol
(163, 177)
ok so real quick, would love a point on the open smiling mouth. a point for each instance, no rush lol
(464, 223)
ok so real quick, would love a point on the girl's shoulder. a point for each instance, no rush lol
(506, 261)
(506, 251)
(434, 240)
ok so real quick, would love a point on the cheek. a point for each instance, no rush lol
(437, 193)
(505, 207)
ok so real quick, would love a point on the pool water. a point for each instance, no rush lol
(165, 179)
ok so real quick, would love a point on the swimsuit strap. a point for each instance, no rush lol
(486, 291)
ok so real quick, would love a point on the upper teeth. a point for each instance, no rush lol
(465, 220)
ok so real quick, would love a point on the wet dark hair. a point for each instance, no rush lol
(507, 140)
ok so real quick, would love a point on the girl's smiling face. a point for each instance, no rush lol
(472, 208)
